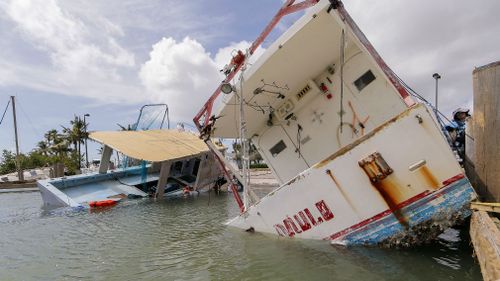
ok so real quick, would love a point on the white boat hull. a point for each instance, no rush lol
(335, 199)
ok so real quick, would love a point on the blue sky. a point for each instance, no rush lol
(108, 58)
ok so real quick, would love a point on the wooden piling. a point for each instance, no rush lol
(485, 237)
(484, 169)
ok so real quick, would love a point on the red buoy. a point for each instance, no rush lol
(103, 203)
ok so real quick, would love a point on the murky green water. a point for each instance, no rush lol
(185, 239)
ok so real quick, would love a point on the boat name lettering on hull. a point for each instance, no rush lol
(304, 220)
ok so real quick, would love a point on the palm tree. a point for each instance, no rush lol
(77, 134)
(50, 136)
(54, 142)
(43, 148)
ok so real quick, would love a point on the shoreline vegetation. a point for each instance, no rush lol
(62, 146)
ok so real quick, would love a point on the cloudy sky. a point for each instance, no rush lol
(107, 58)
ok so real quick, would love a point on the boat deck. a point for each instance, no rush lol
(104, 189)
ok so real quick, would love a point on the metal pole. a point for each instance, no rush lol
(437, 77)
(18, 160)
(79, 120)
(86, 137)
(244, 146)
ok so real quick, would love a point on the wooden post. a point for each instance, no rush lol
(162, 181)
(486, 131)
(199, 175)
(105, 157)
(486, 240)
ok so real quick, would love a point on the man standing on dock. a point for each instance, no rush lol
(456, 129)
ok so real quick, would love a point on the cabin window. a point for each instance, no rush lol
(364, 80)
(277, 148)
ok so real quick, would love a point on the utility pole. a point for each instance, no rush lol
(18, 159)
(86, 137)
(78, 122)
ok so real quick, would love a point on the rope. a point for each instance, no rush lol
(5, 111)
(118, 180)
(299, 137)
(357, 121)
(28, 118)
(426, 102)
(339, 131)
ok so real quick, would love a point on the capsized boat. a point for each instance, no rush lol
(175, 163)
(359, 161)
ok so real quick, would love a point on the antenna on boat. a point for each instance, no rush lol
(342, 50)
(243, 141)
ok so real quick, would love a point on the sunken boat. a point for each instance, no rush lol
(359, 160)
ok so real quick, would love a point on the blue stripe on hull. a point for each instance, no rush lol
(430, 214)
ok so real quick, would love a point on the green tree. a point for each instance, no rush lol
(43, 148)
(76, 135)
(8, 162)
(64, 147)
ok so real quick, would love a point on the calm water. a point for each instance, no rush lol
(185, 239)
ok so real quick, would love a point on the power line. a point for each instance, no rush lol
(28, 118)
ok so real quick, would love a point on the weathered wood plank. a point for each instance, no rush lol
(486, 131)
(485, 237)
(487, 207)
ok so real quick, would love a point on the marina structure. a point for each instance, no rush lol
(174, 163)
(156, 163)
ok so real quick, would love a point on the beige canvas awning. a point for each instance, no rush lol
(153, 145)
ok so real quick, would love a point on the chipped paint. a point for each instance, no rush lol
(428, 214)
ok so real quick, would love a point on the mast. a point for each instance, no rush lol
(18, 159)
(244, 146)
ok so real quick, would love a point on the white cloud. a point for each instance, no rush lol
(183, 74)
(53, 50)
(84, 48)
(420, 38)
(69, 43)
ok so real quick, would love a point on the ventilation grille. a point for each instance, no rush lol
(303, 92)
